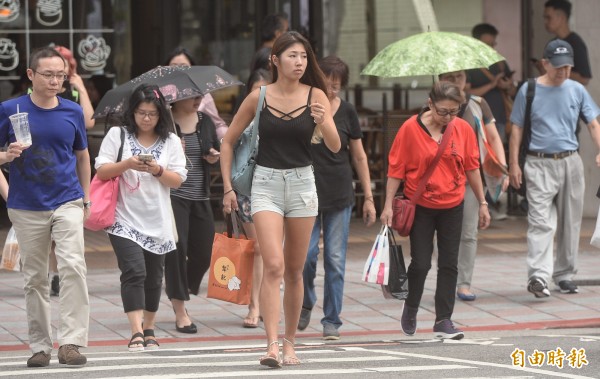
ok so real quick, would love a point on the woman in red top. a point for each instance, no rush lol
(440, 207)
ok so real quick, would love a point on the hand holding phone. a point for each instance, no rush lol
(145, 157)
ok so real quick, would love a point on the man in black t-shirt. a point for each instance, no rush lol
(556, 21)
(494, 84)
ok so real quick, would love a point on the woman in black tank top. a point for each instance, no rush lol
(295, 71)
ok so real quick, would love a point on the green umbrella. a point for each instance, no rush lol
(431, 53)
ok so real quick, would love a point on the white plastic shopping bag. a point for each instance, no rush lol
(10, 254)
(376, 268)
(596, 236)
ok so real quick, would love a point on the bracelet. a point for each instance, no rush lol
(160, 172)
(483, 203)
(370, 198)
(225, 193)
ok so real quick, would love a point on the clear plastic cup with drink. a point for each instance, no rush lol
(20, 124)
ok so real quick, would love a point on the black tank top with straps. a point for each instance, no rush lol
(284, 141)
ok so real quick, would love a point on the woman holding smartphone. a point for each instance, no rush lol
(185, 268)
(143, 232)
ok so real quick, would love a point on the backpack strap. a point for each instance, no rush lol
(529, 101)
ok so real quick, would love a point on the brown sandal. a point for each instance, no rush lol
(270, 359)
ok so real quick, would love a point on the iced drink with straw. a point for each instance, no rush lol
(20, 124)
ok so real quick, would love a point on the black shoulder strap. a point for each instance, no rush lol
(120, 154)
(529, 101)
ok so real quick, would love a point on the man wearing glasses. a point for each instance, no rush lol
(49, 200)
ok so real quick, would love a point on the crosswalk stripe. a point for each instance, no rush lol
(148, 366)
(276, 372)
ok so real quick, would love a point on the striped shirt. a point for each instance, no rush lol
(194, 188)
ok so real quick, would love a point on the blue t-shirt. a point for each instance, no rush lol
(554, 114)
(45, 175)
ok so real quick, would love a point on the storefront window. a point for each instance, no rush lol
(92, 29)
(219, 32)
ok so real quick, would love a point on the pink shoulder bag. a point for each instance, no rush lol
(103, 195)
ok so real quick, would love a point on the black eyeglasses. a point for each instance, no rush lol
(61, 76)
(150, 115)
(445, 112)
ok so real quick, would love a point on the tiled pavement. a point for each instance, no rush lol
(499, 282)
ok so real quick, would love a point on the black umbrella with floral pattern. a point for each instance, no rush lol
(175, 82)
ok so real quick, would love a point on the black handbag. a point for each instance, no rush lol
(397, 287)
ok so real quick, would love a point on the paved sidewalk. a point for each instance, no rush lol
(499, 282)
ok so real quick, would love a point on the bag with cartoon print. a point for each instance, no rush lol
(231, 264)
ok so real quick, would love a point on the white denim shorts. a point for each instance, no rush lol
(289, 192)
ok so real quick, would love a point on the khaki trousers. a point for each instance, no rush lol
(35, 231)
(555, 189)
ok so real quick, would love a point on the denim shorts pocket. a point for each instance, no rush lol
(306, 177)
(310, 199)
(260, 178)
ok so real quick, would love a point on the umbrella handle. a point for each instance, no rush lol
(173, 128)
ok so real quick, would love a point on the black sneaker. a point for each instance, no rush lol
(568, 286)
(304, 318)
(445, 330)
(538, 287)
(409, 320)
(54, 286)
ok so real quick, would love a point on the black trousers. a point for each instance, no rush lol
(141, 274)
(448, 225)
(185, 268)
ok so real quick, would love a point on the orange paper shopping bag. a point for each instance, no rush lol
(231, 264)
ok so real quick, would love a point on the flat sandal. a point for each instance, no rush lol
(135, 346)
(270, 359)
(290, 360)
(150, 338)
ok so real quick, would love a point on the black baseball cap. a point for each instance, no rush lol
(559, 53)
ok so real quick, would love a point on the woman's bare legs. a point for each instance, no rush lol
(279, 263)
(269, 231)
(149, 319)
(257, 274)
(297, 238)
(181, 316)
(135, 323)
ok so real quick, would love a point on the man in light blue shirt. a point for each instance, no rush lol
(553, 169)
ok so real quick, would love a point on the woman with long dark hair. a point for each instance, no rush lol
(284, 197)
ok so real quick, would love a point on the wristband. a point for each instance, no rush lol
(483, 203)
(160, 172)
(225, 193)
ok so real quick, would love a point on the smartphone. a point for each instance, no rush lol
(145, 157)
